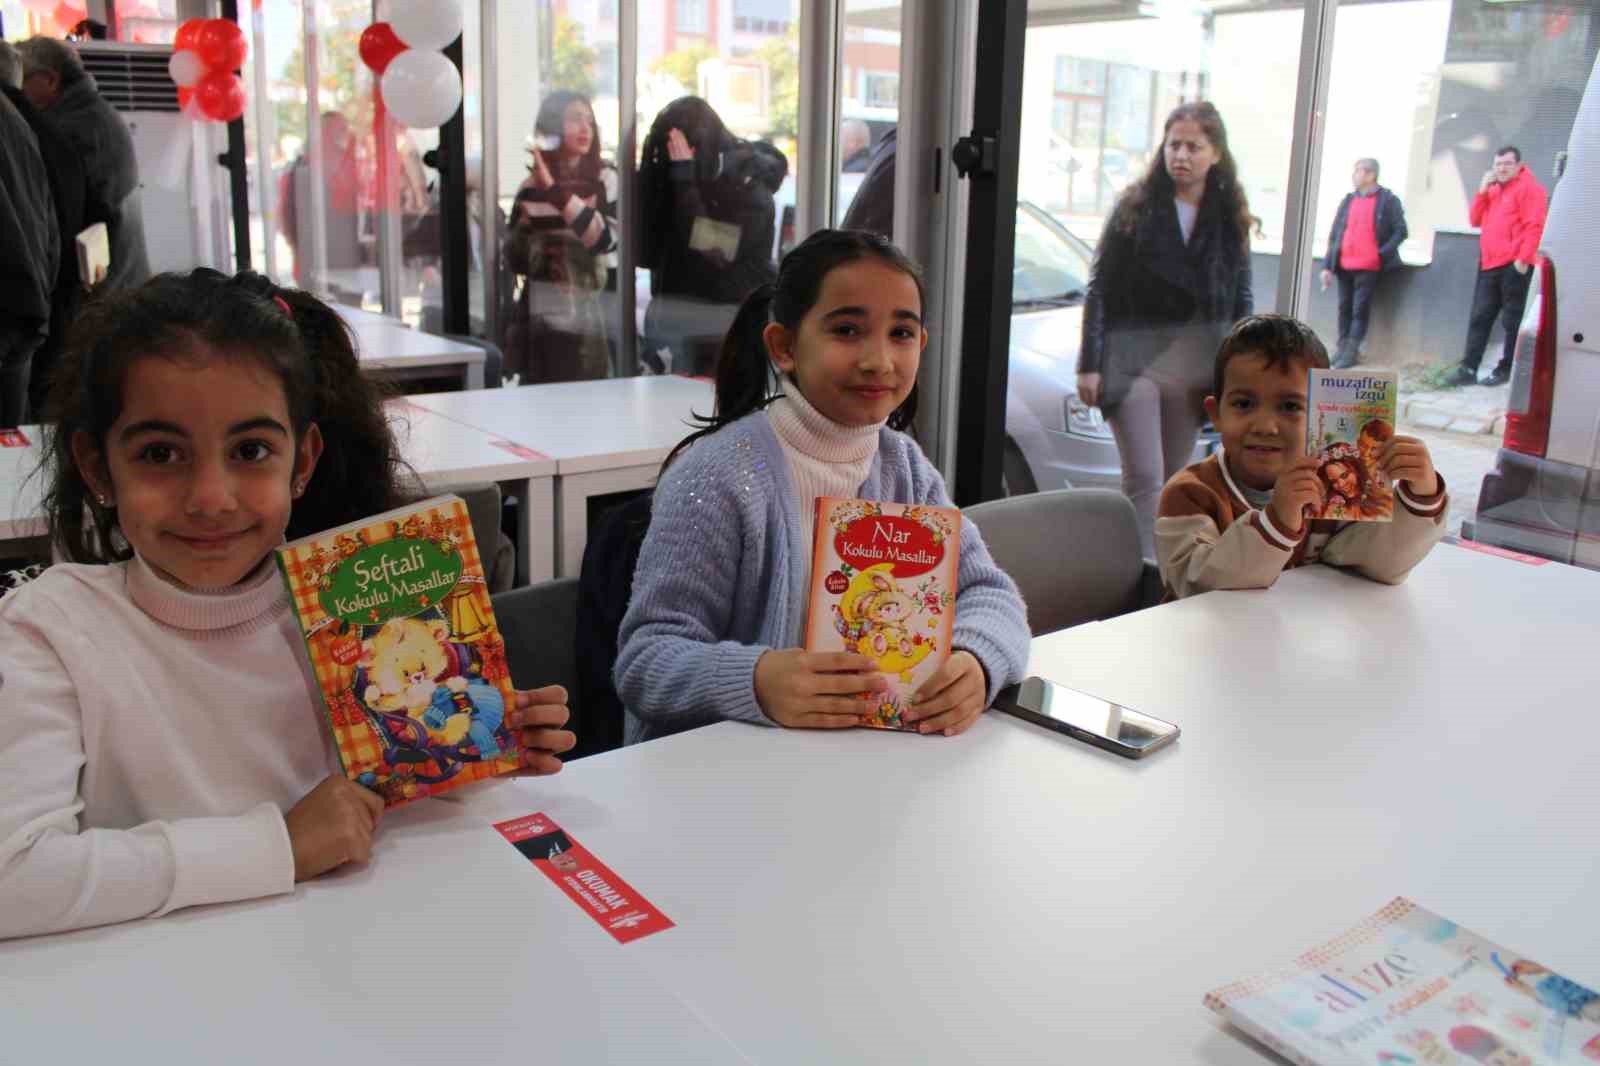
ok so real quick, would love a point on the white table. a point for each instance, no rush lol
(445, 453)
(22, 494)
(606, 436)
(390, 347)
(1008, 896)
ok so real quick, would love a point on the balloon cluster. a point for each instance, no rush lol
(206, 52)
(418, 84)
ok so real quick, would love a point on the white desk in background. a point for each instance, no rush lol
(606, 436)
(1006, 896)
(445, 453)
(22, 494)
(441, 452)
(388, 346)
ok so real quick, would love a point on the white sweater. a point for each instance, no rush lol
(150, 740)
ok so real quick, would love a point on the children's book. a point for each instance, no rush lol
(403, 642)
(883, 584)
(1350, 420)
(1407, 986)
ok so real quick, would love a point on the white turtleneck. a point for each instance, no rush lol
(151, 737)
(825, 457)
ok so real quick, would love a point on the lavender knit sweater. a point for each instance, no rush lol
(722, 567)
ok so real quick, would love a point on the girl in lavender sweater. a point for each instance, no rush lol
(719, 596)
(161, 738)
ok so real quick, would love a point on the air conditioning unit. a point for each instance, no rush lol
(184, 192)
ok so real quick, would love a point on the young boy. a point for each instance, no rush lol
(1237, 519)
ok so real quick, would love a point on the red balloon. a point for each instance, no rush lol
(378, 46)
(221, 45)
(220, 95)
(185, 94)
(187, 33)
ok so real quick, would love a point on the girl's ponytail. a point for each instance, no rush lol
(744, 373)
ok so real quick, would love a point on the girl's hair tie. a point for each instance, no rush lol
(281, 302)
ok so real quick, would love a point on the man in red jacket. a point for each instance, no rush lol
(1509, 211)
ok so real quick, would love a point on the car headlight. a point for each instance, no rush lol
(1086, 421)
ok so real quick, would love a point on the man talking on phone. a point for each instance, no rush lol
(1509, 210)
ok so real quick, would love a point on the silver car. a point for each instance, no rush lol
(1053, 439)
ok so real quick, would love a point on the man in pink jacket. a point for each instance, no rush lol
(1509, 211)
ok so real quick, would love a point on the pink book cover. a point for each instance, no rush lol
(883, 585)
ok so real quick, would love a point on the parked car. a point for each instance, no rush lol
(1543, 495)
(1053, 439)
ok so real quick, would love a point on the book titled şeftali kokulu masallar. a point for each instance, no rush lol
(404, 645)
(1409, 986)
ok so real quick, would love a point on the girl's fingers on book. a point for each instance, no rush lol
(555, 741)
(837, 662)
(540, 716)
(541, 763)
(371, 800)
(828, 719)
(528, 697)
(847, 684)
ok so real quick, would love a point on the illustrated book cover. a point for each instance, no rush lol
(883, 584)
(1407, 986)
(1350, 419)
(405, 649)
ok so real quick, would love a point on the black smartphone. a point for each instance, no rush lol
(1088, 718)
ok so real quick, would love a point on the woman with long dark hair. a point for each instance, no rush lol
(1171, 275)
(706, 230)
(562, 233)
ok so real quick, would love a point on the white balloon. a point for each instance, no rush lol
(186, 67)
(421, 89)
(428, 25)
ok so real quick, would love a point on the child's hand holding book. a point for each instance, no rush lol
(815, 690)
(1297, 489)
(1406, 461)
(332, 825)
(537, 715)
(952, 699)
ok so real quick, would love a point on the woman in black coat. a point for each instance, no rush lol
(707, 230)
(1171, 275)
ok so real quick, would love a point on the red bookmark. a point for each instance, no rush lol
(587, 881)
(521, 451)
(1504, 553)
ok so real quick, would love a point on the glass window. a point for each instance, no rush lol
(869, 108)
(557, 134)
(1423, 96)
(1097, 96)
(718, 114)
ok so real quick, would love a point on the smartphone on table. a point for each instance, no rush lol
(1091, 719)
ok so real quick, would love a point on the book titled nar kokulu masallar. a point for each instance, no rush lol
(883, 585)
(1350, 419)
(1409, 987)
(403, 642)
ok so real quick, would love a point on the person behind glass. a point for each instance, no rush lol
(162, 744)
(707, 220)
(815, 385)
(561, 237)
(1509, 210)
(1364, 242)
(54, 79)
(1171, 275)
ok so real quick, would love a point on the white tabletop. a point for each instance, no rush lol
(1010, 895)
(444, 452)
(387, 343)
(20, 492)
(586, 425)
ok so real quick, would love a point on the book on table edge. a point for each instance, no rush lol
(403, 643)
(883, 585)
(1407, 986)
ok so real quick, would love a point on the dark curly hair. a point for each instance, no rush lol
(1223, 193)
(204, 312)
